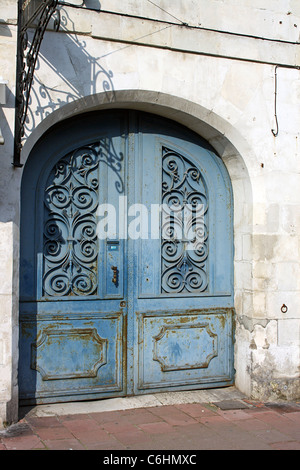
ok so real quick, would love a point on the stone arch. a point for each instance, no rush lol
(229, 144)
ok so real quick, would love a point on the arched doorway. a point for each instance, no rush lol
(126, 261)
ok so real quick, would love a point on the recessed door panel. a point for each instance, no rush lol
(184, 349)
(61, 354)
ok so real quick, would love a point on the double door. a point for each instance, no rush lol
(126, 261)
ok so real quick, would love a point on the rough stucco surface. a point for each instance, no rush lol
(220, 85)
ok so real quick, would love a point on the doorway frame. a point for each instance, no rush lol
(222, 136)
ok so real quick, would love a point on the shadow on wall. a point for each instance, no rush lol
(4, 29)
(84, 76)
(92, 4)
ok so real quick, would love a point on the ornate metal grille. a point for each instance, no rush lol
(70, 235)
(184, 234)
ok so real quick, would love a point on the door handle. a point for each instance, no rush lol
(115, 275)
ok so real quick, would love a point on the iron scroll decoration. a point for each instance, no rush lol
(70, 241)
(29, 11)
(184, 270)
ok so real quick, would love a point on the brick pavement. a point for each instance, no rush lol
(186, 426)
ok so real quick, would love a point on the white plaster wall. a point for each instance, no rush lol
(218, 84)
(279, 20)
(8, 222)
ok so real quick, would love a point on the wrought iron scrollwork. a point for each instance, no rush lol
(26, 61)
(71, 199)
(184, 249)
(70, 236)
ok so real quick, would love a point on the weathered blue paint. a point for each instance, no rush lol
(102, 318)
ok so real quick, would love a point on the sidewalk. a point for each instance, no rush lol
(219, 419)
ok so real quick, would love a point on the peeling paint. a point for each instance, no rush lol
(250, 323)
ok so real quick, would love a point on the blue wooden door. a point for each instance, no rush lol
(116, 296)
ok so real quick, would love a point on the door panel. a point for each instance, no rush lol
(211, 274)
(72, 314)
(180, 348)
(71, 351)
(114, 300)
(183, 304)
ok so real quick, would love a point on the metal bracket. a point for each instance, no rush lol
(28, 12)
